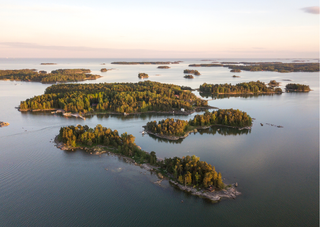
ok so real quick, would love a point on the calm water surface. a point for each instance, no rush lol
(277, 169)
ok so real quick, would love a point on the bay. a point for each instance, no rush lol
(277, 169)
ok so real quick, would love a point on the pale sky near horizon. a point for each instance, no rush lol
(161, 29)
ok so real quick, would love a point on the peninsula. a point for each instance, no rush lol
(186, 173)
(116, 98)
(175, 129)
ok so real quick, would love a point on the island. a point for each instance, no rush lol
(188, 77)
(163, 67)
(194, 72)
(60, 75)
(187, 173)
(205, 65)
(274, 83)
(297, 88)
(175, 129)
(235, 70)
(48, 64)
(103, 70)
(229, 62)
(145, 63)
(3, 124)
(276, 67)
(143, 75)
(234, 76)
(116, 98)
(252, 87)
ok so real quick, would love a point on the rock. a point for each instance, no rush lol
(160, 176)
(236, 184)
(261, 124)
(3, 124)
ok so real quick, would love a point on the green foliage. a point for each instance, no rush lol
(276, 67)
(168, 127)
(194, 72)
(60, 75)
(85, 136)
(191, 171)
(297, 87)
(176, 127)
(241, 88)
(188, 76)
(143, 75)
(115, 97)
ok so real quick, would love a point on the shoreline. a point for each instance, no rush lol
(193, 131)
(230, 192)
(178, 112)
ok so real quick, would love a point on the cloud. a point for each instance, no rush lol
(312, 9)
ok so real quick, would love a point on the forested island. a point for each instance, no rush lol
(187, 173)
(48, 64)
(145, 63)
(194, 72)
(60, 75)
(143, 75)
(267, 66)
(297, 88)
(205, 65)
(188, 77)
(276, 67)
(235, 70)
(252, 87)
(118, 98)
(163, 67)
(174, 129)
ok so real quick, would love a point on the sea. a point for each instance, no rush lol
(277, 169)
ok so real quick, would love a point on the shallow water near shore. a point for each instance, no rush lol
(277, 169)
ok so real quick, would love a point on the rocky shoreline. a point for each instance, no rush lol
(215, 196)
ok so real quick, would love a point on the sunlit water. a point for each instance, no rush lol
(277, 169)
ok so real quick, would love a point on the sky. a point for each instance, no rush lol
(159, 29)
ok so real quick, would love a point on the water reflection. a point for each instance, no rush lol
(224, 131)
(222, 96)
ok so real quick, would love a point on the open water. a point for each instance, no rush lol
(277, 169)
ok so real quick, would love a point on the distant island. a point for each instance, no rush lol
(59, 75)
(163, 67)
(230, 62)
(187, 173)
(194, 72)
(143, 75)
(297, 88)
(276, 67)
(267, 66)
(252, 87)
(115, 98)
(146, 63)
(234, 76)
(3, 124)
(188, 77)
(235, 70)
(48, 64)
(205, 65)
(175, 129)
